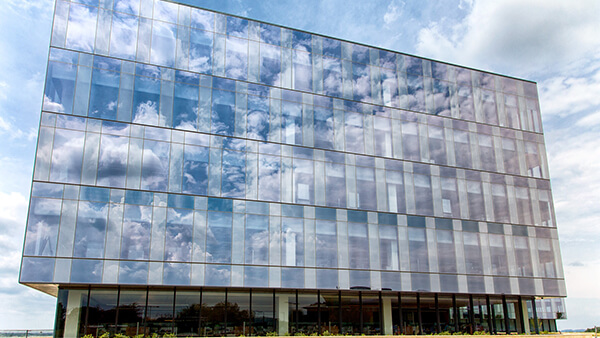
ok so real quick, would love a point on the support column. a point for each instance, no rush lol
(297, 314)
(494, 329)
(319, 311)
(489, 314)
(340, 321)
(360, 310)
(419, 316)
(524, 316)
(283, 314)
(73, 312)
(506, 320)
(388, 325)
(173, 327)
(456, 316)
(536, 323)
(380, 313)
(471, 314)
(400, 315)
(438, 326)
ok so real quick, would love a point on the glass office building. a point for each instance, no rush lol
(204, 174)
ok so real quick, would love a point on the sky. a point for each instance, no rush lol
(555, 43)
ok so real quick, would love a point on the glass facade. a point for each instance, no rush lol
(205, 174)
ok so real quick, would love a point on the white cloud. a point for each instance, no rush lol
(38, 307)
(574, 166)
(27, 4)
(518, 36)
(393, 13)
(589, 120)
(4, 125)
(13, 206)
(567, 95)
(79, 34)
(13, 132)
(3, 89)
(147, 113)
(465, 4)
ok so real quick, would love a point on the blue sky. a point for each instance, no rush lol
(555, 43)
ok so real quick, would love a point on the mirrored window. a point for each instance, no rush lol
(218, 238)
(135, 239)
(42, 227)
(90, 231)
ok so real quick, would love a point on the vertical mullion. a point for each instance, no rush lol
(400, 315)
(438, 328)
(419, 315)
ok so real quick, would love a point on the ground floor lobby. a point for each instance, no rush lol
(258, 312)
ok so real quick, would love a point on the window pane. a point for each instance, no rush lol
(257, 239)
(223, 112)
(163, 43)
(270, 65)
(332, 77)
(42, 227)
(323, 124)
(417, 244)
(326, 243)
(155, 165)
(201, 48)
(81, 31)
(233, 174)
(132, 304)
(112, 161)
(159, 314)
(136, 232)
(195, 170)
(218, 243)
(358, 247)
(354, 132)
(446, 253)
(268, 178)
(185, 106)
(67, 156)
(302, 71)
(104, 94)
(146, 98)
(178, 239)
(133, 272)
(236, 58)
(123, 36)
(335, 184)
(102, 310)
(388, 247)
(91, 229)
(60, 87)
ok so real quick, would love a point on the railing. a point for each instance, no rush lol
(27, 333)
